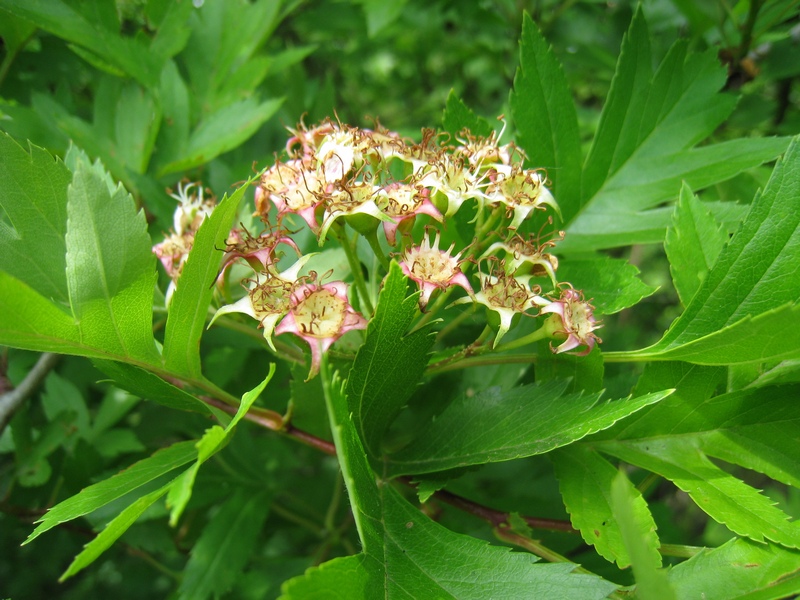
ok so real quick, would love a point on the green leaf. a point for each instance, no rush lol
(229, 34)
(223, 130)
(458, 116)
(586, 481)
(37, 323)
(495, 426)
(732, 570)
(151, 387)
(115, 528)
(173, 137)
(612, 284)
(742, 301)
(33, 196)
(110, 267)
(213, 440)
(644, 146)
(99, 494)
(381, 14)
(585, 373)
(547, 123)
(342, 578)
(221, 553)
(188, 309)
(390, 364)
(693, 244)
(403, 548)
(724, 498)
(137, 121)
(651, 583)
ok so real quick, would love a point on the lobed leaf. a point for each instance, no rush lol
(33, 196)
(736, 568)
(495, 426)
(403, 548)
(545, 118)
(644, 146)
(742, 304)
(723, 497)
(115, 528)
(390, 363)
(110, 267)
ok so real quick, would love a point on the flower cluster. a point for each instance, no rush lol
(337, 180)
(189, 215)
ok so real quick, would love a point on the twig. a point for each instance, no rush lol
(11, 401)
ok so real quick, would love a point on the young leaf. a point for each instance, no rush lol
(389, 366)
(188, 310)
(586, 481)
(221, 553)
(651, 583)
(110, 267)
(458, 116)
(693, 243)
(403, 548)
(546, 120)
(99, 494)
(755, 274)
(724, 498)
(214, 439)
(495, 426)
(734, 569)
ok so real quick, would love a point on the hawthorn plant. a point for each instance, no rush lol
(393, 316)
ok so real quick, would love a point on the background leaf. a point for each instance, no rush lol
(636, 528)
(643, 147)
(693, 244)
(219, 557)
(586, 481)
(611, 284)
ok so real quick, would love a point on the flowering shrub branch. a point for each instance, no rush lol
(342, 179)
